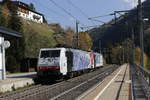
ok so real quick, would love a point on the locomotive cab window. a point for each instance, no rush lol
(50, 53)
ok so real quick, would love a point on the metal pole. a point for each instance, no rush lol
(77, 33)
(3, 61)
(100, 46)
(141, 31)
(123, 54)
(133, 47)
(115, 17)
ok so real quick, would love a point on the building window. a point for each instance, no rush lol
(23, 10)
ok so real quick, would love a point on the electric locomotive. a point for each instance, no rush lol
(54, 62)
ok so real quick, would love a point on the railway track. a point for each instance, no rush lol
(67, 90)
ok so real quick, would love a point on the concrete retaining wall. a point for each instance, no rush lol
(14, 83)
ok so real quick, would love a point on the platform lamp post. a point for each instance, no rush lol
(4, 45)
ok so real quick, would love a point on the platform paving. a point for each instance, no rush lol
(114, 87)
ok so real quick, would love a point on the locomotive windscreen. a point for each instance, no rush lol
(50, 53)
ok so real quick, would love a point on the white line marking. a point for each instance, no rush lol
(89, 91)
(54, 98)
(96, 98)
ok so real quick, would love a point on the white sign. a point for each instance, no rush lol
(6, 44)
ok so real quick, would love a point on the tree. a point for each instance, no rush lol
(32, 6)
(85, 41)
(138, 59)
(69, 36)
(37, 36)
(3, 21)
(15, 22)
(59, 33)
(6, 0)
(16, 51)
(116, 54)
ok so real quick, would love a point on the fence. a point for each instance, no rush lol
(144, 78)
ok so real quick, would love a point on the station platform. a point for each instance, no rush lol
(15, 81)
(114, 87)
(22, 75)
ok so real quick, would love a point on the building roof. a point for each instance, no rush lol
(20, 4)
(25, 6)
(8, 32)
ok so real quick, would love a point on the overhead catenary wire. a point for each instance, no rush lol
(63, 10)
(56, 13)
(88, 27)
(97, 20)
(80, 10)
(102, 16)
(111, 14)
(67, 12)
(47, 8)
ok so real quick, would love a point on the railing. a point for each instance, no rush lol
(144, 77)
(144, 74)
(132, 86)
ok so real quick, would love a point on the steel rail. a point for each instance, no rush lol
(47, 91)
(100, 76)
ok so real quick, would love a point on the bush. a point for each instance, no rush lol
(12, 65)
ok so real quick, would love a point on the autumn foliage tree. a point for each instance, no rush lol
(85, 41)
(69, 36)
(138, 58)
(59, 33)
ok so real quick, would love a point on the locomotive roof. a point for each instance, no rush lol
(66, 49)
(51, 48)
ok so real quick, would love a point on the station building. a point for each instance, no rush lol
(4, 34)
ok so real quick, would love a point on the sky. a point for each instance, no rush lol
(80, 9)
